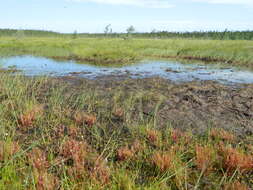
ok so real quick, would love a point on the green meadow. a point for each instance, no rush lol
(118, 50)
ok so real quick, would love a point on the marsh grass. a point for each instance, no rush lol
(117, 51)
(56, 138)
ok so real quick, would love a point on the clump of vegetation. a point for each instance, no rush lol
(52, 137)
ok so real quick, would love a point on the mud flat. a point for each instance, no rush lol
(191, 105)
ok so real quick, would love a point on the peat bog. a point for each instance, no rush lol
(149, 125)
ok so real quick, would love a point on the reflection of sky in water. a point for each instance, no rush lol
(171, 70)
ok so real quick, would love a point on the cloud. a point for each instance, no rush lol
(139, 3)
(238, 2)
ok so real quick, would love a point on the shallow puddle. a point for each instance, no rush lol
(172, 70)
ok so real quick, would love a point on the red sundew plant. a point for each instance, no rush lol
(62, 130)
(100, 172)
(163, 161)
(205, 157)
(46, 181)
(84, 118)
(73, 131)
(176, 134)
(236, 186)
(73, 149)
(124, 153)
(27, 119)
(38, 159)
(40, 164)
(136, 146)
(222, 134)
(153, 136)
(76, 151)
(233, 159)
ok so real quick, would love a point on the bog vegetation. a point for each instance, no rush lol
(127, 49)
(55, 137)
(76, 135)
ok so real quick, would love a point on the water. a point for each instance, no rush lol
(172, 70)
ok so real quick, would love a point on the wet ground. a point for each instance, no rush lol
(190, 96)
(195, 106)
(171, 70)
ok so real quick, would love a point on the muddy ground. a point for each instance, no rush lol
(193, 105)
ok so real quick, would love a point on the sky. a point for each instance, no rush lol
(145, 15)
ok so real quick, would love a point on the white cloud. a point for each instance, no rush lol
(139, 3)
(238, 2)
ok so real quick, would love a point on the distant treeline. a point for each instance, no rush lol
(28, 33)
(225, 35)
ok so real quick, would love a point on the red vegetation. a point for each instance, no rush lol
(204, 158)
(100, 172)
(136, 146)
(46, 181)
(153, 136)
(38, 159)
(124, 153)
(236, 186)
(236, 160)
(163, 161)
(176, 134)
(84, 118)
(75, 151)
(27, 119)
(222, 134)
(43, 179)
(119, 112)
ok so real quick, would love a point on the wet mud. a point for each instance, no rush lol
(196, 106)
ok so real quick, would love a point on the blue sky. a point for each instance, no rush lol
(144, 15)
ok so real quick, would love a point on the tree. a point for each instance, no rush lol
(108, 29)
(130, 30)
(74, 35)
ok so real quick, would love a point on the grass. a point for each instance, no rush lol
(116, 51)
(55, 137)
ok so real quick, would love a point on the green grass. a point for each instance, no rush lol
(56, 136)
(112, 50)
